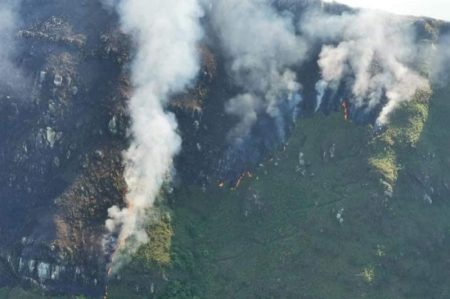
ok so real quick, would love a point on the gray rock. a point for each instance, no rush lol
(58, 80)
(50, 136)
(43, 271)
(112, 125)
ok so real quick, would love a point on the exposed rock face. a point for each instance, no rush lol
(55, 187)
(63, 137)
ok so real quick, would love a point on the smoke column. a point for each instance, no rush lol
(166, 33)
(439, 9)
(369, 52)
(440, 63)
(9, 20)
(261, 47)
(321, 87)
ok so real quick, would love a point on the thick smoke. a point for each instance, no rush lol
(261, 47)
(166, 33)
(370, 54)
(9, 74)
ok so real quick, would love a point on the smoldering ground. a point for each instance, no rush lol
(370, 59)
(166, 34)
(373, 54)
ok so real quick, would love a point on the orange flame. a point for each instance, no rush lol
(345, 107)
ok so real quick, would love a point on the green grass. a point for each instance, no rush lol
(157, 251)
(289, 244)
(277, 235)
(402, 134)
(235, 247)
(18, 293)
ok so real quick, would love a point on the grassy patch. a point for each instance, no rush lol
(157, 250)
(385, 163)
(402, 134)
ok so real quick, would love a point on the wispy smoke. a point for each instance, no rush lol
(371, 54)
(440, 64)
(261, 47)
(166, 33)
(321, 87)
(9, 73)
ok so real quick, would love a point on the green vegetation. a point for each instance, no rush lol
(266, 238)
(147, 269)
(384, 162)
(402, 134)
(18, 293)
(368, 274)
(279, 236)
(157, 251)
(339, 212)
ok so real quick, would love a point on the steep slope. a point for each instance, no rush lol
(337, 209)
(280, 233)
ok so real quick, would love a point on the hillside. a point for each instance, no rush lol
(280, 233)
(328, 203)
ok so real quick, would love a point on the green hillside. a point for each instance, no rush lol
(279, 234)
(339, 212)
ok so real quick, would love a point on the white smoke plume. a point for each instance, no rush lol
(321, 87)
(440, 64)
(261, 47)
(371, 52)
(9, 21)
(166, 33)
